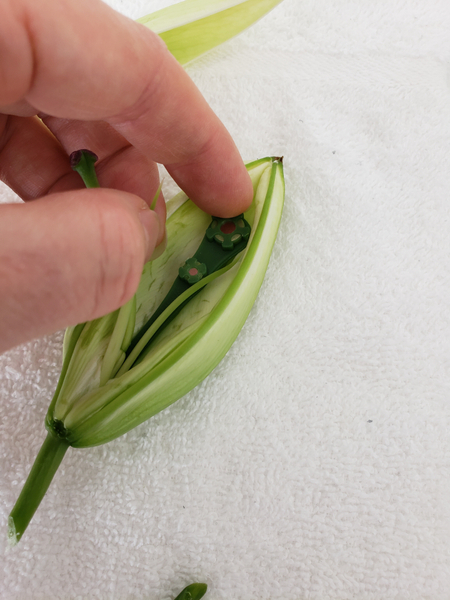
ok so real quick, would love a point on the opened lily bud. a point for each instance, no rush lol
(172, 360)
(121, 369)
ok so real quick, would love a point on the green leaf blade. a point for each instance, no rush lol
(194, 27)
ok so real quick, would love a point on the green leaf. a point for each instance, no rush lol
(195, 591)
(193, 27)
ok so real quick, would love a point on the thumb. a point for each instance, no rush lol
(68, 258)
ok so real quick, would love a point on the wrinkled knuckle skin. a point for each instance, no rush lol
(121, 253)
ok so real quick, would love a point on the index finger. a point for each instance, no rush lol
(82, 60)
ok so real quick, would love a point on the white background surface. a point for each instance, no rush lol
(314, 463)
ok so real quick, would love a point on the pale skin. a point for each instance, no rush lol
(75, 74)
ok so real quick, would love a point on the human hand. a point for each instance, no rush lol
(100, 81)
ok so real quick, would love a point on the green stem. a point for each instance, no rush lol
(41, 474)
(195, 591)
(83, 161)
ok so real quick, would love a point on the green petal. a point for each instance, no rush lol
(193, 27)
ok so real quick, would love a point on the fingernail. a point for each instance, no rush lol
(151, 225)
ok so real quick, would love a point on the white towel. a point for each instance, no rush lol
(314, 463)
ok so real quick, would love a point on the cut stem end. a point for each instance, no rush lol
(83, 161)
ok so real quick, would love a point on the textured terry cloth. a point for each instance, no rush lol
(314, 462)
